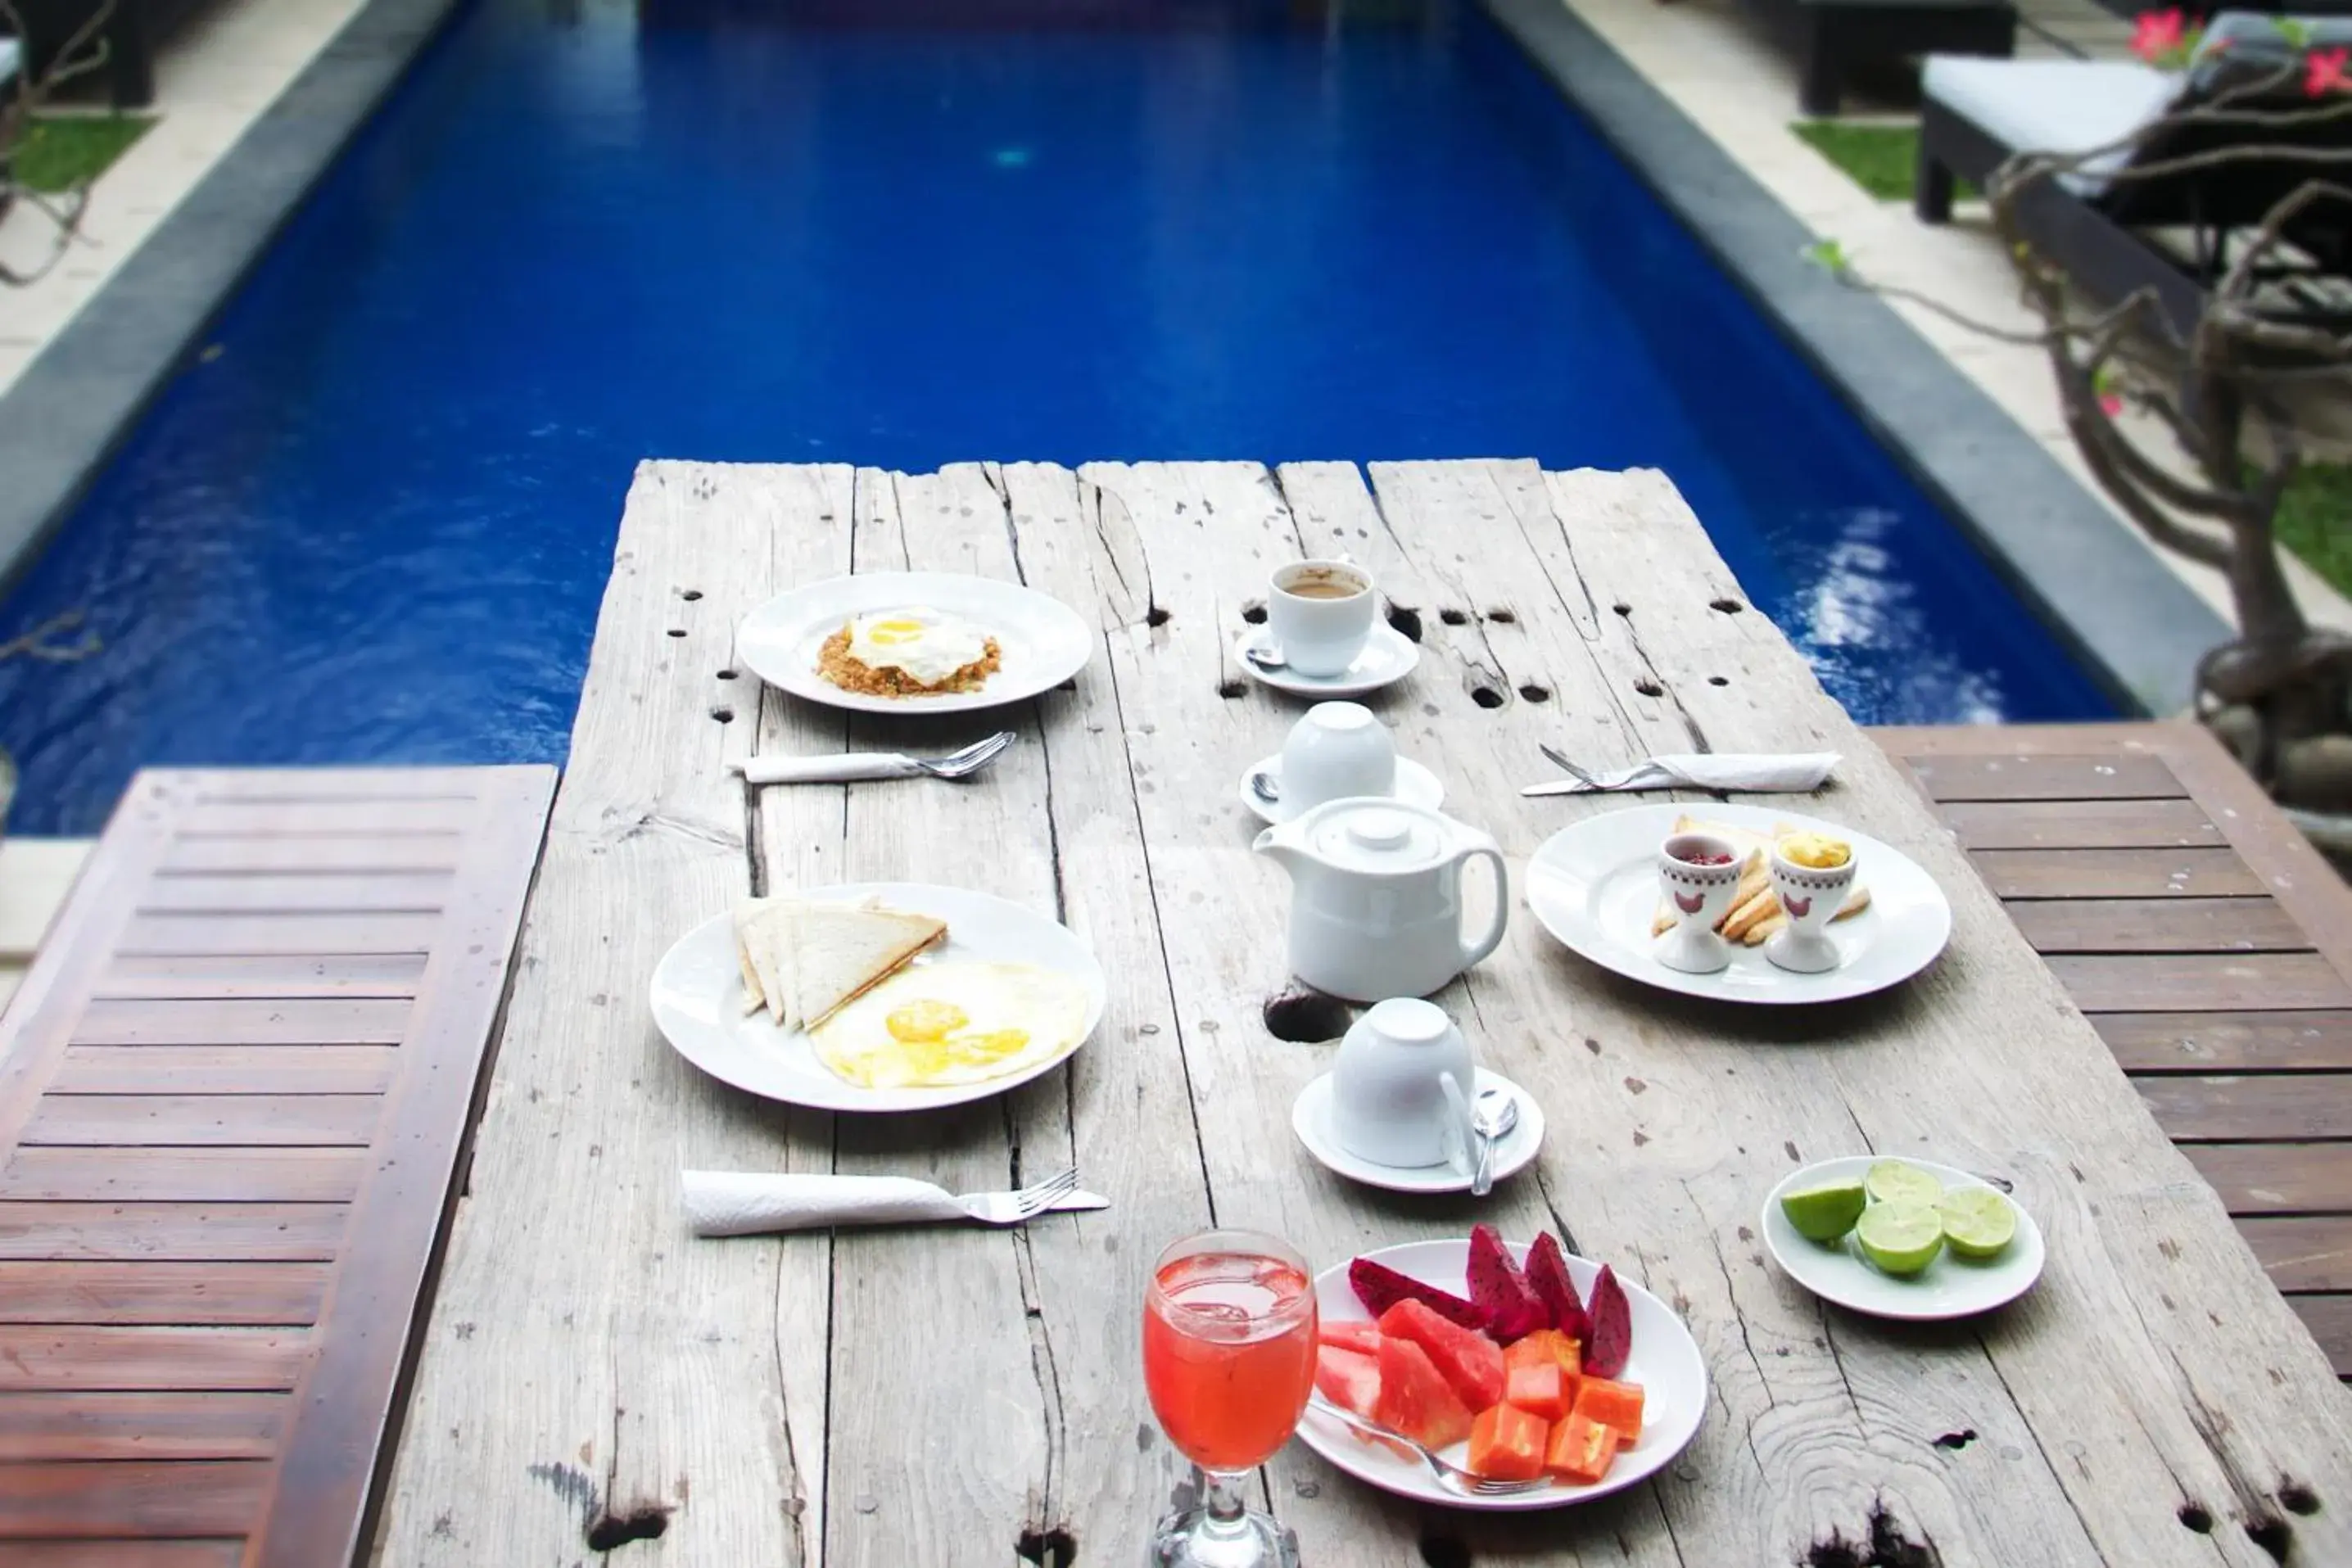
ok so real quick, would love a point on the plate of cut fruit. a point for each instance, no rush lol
(893, 996)
(914, 641)
(1595, 886)
(1514, 1362)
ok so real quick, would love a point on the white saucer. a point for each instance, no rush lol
(1311, 1118)
(1950, 1286)
(1415, 786)
(1388, 657)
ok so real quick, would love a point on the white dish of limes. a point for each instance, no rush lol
(1907, 1239)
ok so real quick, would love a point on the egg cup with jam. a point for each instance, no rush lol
(1700, 874)
(1811, 874)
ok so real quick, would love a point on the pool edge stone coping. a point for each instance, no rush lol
(2138, 629)
(70, 411)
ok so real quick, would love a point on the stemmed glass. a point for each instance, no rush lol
(1229, 1359)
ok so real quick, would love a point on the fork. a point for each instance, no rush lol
(1015, 1207)
(1560, 760)
(841, 768)
(1451, 1476)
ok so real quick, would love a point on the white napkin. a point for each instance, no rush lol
(750, 1203)
(839, 768)
(754, 1202)
(1759, 772)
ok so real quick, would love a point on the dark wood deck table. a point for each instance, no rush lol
(593, 1379)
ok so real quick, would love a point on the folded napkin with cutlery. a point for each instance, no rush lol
(837, 767)
(1755, 772)
(750, 1203)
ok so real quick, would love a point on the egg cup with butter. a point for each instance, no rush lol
(912, 653)
(1811, 874)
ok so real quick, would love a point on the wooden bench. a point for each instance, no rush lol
(2211, 946)
(234, 1092)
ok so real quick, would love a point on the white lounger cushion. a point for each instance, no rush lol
(8, 54)
(2053, 106)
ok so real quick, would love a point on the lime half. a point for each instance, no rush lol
(1892, 1181)
(1901, 1238)
(1977, 1221)
(1826, 1212)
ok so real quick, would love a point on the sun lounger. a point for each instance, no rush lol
(2095, 222)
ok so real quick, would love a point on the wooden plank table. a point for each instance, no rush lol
(2210, 946)
(596, 1379)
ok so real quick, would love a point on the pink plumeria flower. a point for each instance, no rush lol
(2111, 403)
(2155, 34)
(2326, 72)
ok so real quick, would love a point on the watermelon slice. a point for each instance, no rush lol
(1414, 1400)
(1361, 1337)
(1510, 1304)
(1380, 1287)
(1471, 1363)
(1348, 1379)
(1613, 1326)
(1547, 1275)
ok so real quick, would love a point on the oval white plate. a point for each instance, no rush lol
(1041, 640)
(1950, 1287)
(1664, 1361)
(1310, 1119)
(1388, 657)
(1595, 886)
(1415, 785)
(697, 998)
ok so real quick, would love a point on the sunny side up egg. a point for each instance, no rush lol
(947, 1023)
(930, 646)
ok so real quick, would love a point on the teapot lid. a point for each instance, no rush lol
(1374, 834)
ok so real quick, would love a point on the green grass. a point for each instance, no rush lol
(59, 151)
(1881, 159)
(2314, 521)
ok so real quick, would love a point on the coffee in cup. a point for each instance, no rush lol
(1320, 612)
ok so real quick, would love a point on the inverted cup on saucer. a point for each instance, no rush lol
(1310, 1119)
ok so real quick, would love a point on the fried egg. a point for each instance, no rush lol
(952, 1022)
(928, 646)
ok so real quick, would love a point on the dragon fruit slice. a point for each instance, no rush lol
(1510, 1304)
(1613, 1326)
(1380, 1287)
(1547, 1273)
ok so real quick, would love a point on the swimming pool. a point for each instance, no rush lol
(374, 521)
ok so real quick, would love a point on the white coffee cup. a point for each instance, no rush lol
(1334, 751)
(1401, 1091)
(1321, 612)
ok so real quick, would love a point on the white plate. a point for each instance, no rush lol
(1311, 1118)
(697, 998)
(1664, 1361)
(1041, 640)
(1595, 886)
(1415, 785)
(1388, 657)
(1950, 1286)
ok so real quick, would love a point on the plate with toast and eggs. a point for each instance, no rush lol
(1595, 887)
(878, 997)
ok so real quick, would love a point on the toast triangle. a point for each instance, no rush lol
(840, 953)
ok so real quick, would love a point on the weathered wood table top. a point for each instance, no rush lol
(595, 1378)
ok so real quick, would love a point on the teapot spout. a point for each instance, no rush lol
(1280, 846)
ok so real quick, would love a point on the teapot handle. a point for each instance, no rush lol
(1491, 938)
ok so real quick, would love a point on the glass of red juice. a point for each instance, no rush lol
(1228, 1360)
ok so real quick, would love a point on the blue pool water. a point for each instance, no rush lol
(375, 524)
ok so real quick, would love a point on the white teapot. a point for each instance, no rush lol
(1376, 896)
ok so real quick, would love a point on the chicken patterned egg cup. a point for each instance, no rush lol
(1700, 874)
(1810, 897)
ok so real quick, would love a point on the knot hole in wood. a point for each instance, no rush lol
(1307, 1018)
(1502, 617)
(2297, 1497)
(1726, 606)
(1536, 694)
(1054, 1548)
(2193, 1516)
(2274, 1536)
(1444, 1552)
(1407, 622)
(1155, 616)
(689, 594)
(1454, 617)
(644, 1523)
(1254, 612)
(1487, 696)
(1649, 688)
